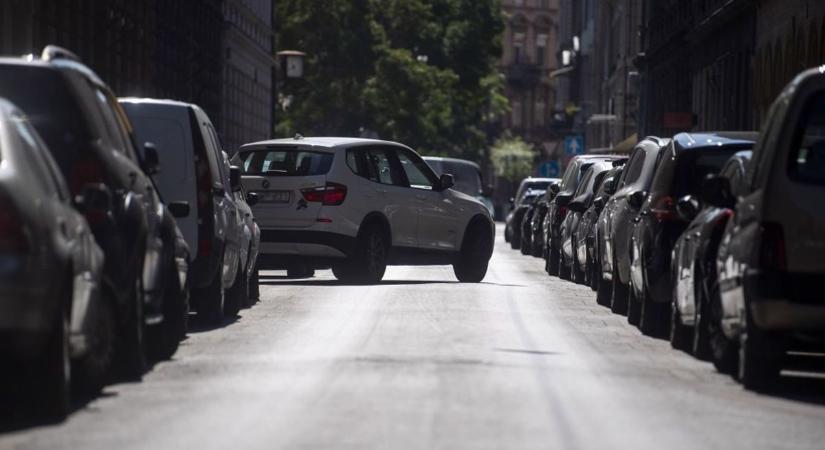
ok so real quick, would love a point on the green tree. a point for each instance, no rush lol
(512, 158)
(421, 72)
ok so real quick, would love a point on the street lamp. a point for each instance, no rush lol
(292, 62)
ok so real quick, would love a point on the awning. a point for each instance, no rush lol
(626, 146)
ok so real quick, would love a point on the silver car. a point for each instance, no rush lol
(51, 316)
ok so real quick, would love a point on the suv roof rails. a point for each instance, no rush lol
(53, 52)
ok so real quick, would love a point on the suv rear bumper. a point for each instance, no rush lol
(786, 301)
(306, 243)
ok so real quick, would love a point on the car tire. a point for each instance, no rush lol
(52, 385)
(164, 341)
(654, 317)
(237, 294)
(211, 301)
(132, 352)
(515, 242)
(724, 352)
(553, 262)
(254, 287)
(507, 234)
(604, 292)
(634, 307)
(681, 335)
(564, 270)
(92, 371)
(474, 259)
(576, 274)
(700, 344)
(595, 277)
(369, 263)
(760, 356)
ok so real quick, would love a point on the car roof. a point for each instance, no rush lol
(686, 141)
(320, 142)
(154, 101)
(450, 160)
(54, 64)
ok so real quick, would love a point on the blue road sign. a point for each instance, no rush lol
(549, 169)
(573, 145)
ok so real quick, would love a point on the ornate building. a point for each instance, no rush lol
(526, 63)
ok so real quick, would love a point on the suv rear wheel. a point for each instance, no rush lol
(210, 301)
(760, 356)
(238, 294)
(472, 263)
(368, 264)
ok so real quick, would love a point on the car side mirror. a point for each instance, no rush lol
(235, 178)
(555, 187)
(446, 181)
(252, 198)
(610, 185)
(512, 201)
(715, 190)
(687, 208)
(599, 203)
(178, 209)
(151, 159)
(94, 197)
(637, 199)
(563, 199)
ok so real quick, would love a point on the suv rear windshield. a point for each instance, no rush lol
(807, 158)
(285, 162)
(44, 96)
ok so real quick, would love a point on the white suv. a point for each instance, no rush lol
(357, 205)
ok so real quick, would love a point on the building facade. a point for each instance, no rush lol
(526, 63)
(216, 53)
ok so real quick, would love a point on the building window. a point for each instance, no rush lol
(518, 47)
(515, 114)
(541, 111)
(541, 48)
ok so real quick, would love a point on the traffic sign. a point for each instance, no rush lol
(549, 169)
(573, 145)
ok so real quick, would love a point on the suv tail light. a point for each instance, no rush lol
(772, 248)
(333, 194)
(13, 237)
(664, 209)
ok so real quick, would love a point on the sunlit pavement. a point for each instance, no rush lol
(520, 361)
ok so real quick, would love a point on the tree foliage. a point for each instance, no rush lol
(512, 158)
(421, 72)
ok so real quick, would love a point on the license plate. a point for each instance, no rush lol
(275, 197)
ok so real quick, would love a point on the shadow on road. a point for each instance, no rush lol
(284, 281)
(196, 326)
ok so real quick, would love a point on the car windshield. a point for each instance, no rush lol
(682, 175)
(466, 176)
(285, 162)
(43, 96)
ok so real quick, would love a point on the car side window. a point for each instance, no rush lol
(111, 128)
(634, 167)
(418, 173)
(376, 166)
(36, 164)
(806, 163)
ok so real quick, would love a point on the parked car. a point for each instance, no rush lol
(517, 216)
(537, 221)
(90, 138)
(695, 304)
(512, 223)
(467, 177)
(527, 222)
(357, 205)
(583, 237)
(619, 213)
(250, 242)
(770, 262)
(609, 187)
(684, 163)
(580, 201)
(557, 211)
(194, 174)
(63, 327)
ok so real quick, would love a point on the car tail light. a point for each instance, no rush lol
(13, 237)
(562, 212)
(87, 172)
(772, 253)
(332, 194)
(664, 209)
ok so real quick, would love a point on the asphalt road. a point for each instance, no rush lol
(420, 361)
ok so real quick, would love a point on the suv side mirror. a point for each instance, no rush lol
(94, 197)
(151, 159)
(235, 178)
(178, 209)
(687, 208)
(599, 203)
(252, 198)
(716, 191)
(446, 181)
(610, 185)
(555, 187)
(637, 199)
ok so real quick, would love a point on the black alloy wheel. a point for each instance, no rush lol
(163, 342)
(760, 356)
(132, 352)
(238, 294)
(210, 301)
